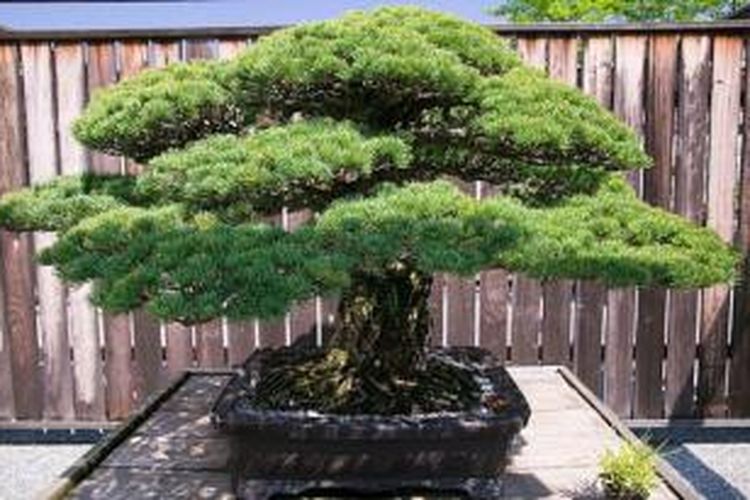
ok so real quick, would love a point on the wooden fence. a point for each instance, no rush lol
(648, 352)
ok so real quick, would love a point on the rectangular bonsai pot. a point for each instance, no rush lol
(301, 445)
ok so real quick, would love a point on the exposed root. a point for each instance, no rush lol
(328, 381)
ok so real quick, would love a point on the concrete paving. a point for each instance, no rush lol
(26, 471)
(715, 459)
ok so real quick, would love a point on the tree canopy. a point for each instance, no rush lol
(360, 118)
(594, 11)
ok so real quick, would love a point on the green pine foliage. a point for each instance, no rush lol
(196, 267)
(160, 109)
(304, 164)
(596, 11)
(358, 118)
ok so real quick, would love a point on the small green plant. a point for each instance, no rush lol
(629, 473)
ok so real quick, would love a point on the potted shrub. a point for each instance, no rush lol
(630, 472)
(361, 119)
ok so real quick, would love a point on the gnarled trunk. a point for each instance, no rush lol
(384, 322)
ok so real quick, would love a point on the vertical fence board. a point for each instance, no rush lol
(650, 328)
(725, 111)
(230, 48)
(148, 370)
(558, 294)
(17, 263)
(88, 393)
(526, 316)
(692, 161)
(630, 54)
(7, 405)
(493, 299)
(209, 344)
(587, 347)
(302, 316)
(147, 353)
(178, 338)
(42, 161)
(598, 66)
(437, 312)
(739, 373)
(272, 333)
(208, 336)
(118, 368)
(460, 293)
(527, 320)
(533, 51)
(180, 356)
(10, 153)
(618, 357)
(241, 341)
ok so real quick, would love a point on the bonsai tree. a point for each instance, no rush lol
(360, 118)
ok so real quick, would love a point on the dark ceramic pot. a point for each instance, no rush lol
(304, 446)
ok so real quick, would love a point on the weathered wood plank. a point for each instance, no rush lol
(209, 336)
(102, 71)
(302, 317)
(133, 55)
(178, 338)
(493, 300)
(587, 356)
(229, 48)
(179, 349)
(725, 114)
(201, 49)
(148, 359)
(438, 317)
(241, 341)
(650, 328)
(629, 79)
(460, 293)
(82, 320)
(648, 398)
(558, 296)
(147, 351)
(162, 53)
(629, 82)
(739, 372)
(618, 354)
(527, 293)
(38, 92)
(7, 405)
(591, 297)
(16, 250)
(693, 95)
(526, 320)
(533, 50)
(210, 344)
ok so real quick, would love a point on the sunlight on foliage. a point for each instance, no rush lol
(359, 118)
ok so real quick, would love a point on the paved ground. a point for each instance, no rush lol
(27, 470)
(715, 460)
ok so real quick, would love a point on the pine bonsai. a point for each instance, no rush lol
(361, 118)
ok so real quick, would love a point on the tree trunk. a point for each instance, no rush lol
(383, 322)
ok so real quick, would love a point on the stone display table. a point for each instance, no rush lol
(171, 450)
